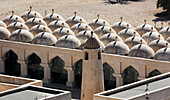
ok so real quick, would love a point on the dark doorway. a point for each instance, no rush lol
(130, 75)
(154, 73)
(35, 70)
(109, 79)
(58, 73)
(12, 67)
(78, 73)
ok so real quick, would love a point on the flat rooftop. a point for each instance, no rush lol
(141, 89)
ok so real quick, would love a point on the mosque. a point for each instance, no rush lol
(68, 51)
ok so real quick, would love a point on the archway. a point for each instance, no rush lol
(78, 73)
(35, 70)
(12, 67)
(109, 79)
(130, 75)
(154, 73)
(58, 73)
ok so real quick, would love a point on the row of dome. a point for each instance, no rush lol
(66, 36)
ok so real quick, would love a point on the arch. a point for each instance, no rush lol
(78, 73)
(35, 70)
(12, 67)
(58, 73)
(109, 79)
(99, 54)
(154, 73)
(130, 75)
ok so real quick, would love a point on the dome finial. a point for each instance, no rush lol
(39, 22)
(121, 19)
(80, 20)
(159, 36)
(145, 21)
(86, 28)
(167, 44)
(134, 33)
(91, 33)
(98, 16)
(127, 26)
(104, 23)
(12, 12)
(155, 23)
(57, 17)
(110, 30)
(62, 24)
(162, 24)
(30, 8)
(141, 41)
(52, 11)
(67, 32)
(151, 29)
(21, 26)
(16, 19)
(116, 38)
(75, 13)
(35, 14)
(44, 29)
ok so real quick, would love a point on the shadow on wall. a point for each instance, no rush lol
(163, 16)
(121, 1)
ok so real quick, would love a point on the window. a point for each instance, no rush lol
(99, 55)
(86, 56)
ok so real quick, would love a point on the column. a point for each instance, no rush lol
(23, 68)
(70, 71)
(2, 65)
(119, 79)
(47, 73)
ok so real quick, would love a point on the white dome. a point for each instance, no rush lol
(4, 33)
(142, 29)
(120, 26)
(158, 44)
(109, 37)
(35, 21)
(80, 27)
(21, 35)
(68, 41)
(53, 16)
(13, 18)
(116, 47)
(59, 32)
(85, 34)
(17, 25)
(141, 50)
(74, 20)
(168, 39)
(165, 32)
(134, 40)
(126, 33)
(57, 24)
(30, 14)
(98, 22)
(150, 36)
(39, 28)
(44, 38)
(2, 24)
(163, 54)
(102, 30)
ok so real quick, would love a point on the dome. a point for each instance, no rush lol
(102, 30)
(163, 54)
(59, 32)
(134, 40)
(44, 38)
(98, 22)
(116, 47)
(35, 21)
(4, 33)
(17, 25)
(74, 20)
(53, 16)
(121, 25)
(85, 34)
(12, 18)
(142, 29)
(2, 24)
(68, 41)
(141, 50)
(21, 35)
(158, 44)
(80, 27)
(39, 28)
(30, 14)
(168, 39)
(126, 33)
(109, 37)
(57, 24)
(165, 32)
(150, 36)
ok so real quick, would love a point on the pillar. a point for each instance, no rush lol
(71, 80)
(47, 73)
(23, 68)
(119, 79)
(2, 65)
